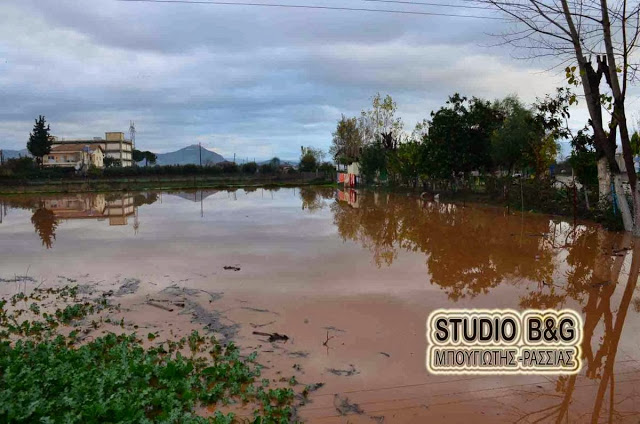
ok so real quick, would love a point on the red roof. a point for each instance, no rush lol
(72, 148)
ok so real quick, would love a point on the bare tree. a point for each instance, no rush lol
(579, 32)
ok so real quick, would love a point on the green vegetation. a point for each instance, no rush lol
(52, 370)
(500, 150)
(22, 175)
(146, 156)
(346, 141)
(465, 136)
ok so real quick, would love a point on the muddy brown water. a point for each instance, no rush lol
(350, 278)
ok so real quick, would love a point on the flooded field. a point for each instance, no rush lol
(349, 277)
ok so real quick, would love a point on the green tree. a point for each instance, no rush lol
(406, 162)
(40, 140)
(373, 161)
(379, 124)
(308, 163)
(149, 157)
(326, 167)
(635, 143)
(310, 158)
(510, 142)
(550, 120)
(459, 137)
(583, 158)
(249, 167)
(110, 162)
(137, 155)
(346, 142)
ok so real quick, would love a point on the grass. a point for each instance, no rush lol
(51, 371)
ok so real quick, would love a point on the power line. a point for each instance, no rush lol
(297, 6)
(419, 3)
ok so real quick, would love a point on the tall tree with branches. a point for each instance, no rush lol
(40, 140)
(380, 124)
(597, 38)
(347, 142)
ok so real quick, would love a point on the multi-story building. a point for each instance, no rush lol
(78, 156)
(117, 209)
(114, 146)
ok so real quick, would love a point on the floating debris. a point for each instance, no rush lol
(130, 286)
(344, 373)
(273, 337)
(231, 268)
(298, 354)
(159, 306)
(344, 407)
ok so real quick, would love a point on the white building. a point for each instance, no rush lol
(114, 146)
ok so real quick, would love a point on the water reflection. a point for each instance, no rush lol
(117, 208)
(470, 251)
(45, 223)
(50, 210)
(315, 198)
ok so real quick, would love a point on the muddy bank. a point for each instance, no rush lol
(361, 357)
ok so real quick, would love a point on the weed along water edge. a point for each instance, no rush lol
(302, 304)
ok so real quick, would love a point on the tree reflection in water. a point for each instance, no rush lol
(469, 251)
(49, 210)
(314, 198)
(45, 223)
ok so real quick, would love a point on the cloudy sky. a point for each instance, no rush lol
(255, 81)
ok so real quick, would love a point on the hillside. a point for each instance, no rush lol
(189, 155)
(10, 154)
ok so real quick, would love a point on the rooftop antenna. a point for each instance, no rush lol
(132, 133)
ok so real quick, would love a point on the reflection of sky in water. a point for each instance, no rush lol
(175, 228)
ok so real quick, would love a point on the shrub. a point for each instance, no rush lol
(267, 168)
(249, 167)
(228, 167)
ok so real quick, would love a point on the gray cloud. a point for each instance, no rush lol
(251, 81)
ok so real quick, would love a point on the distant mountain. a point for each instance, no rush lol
(282, 162)
(189, 155)
(195, 196)
(10, 154)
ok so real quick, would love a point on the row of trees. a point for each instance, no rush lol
(464, 135)
(596, 42)
(312, 160)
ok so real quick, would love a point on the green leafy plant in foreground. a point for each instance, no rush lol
(115, 379)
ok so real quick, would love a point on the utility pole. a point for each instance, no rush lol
(200, 145)
(234, 158)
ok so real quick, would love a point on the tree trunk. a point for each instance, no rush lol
(623, 205)
(636, 210)
(586, 197)
(604, 180)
